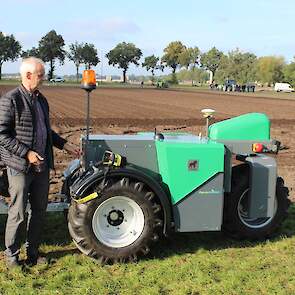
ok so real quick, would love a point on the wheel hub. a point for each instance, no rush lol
(115, 217)
(118, 221)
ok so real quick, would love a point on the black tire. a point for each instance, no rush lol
(236, 224)
(93, 225)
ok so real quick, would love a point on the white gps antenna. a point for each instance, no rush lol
(208, 114)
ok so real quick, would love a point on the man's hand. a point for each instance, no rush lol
(34, 158)
(72, 149)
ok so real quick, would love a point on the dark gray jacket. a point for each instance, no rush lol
(17, 119)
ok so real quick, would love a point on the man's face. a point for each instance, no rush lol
(36, 78)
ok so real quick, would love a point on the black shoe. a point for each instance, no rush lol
(30, 261)
(12, 262)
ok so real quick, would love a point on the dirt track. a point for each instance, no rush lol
(117, 111)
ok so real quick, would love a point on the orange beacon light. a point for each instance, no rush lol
(88, 80)
(88, 83)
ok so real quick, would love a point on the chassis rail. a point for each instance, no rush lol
(52, 207)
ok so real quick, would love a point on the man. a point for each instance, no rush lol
(26, 142)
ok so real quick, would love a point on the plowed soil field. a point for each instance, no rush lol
(128, 110)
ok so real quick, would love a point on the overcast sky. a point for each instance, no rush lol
(263, 27)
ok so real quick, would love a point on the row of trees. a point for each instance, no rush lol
(50, 49)
(238, 65)
(246, 67)
(241, 66)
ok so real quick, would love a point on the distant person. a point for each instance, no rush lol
(26, 141)
(141, 84)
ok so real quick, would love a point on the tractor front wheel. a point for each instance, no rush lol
(237, 222)
(119, 224)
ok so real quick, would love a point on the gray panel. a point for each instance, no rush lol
(202, 209)
(244, 146)
(227, 169)
(140, 153)
(179, 137)
(139, 149)
(51, 207)
(263, 179)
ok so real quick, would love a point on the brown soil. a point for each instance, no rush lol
(118, 111)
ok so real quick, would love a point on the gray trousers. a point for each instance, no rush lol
(32, 187)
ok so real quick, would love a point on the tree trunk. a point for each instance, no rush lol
(51, 71)
(153, 77)
(77, 74)
(174, 79)
(193, 71)
(212, 76)
(0, 71)
(124, 76)
(50, 74)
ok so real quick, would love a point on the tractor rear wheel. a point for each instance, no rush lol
(237, 222)
(118, 225)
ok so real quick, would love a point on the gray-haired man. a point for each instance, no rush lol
(26, 142)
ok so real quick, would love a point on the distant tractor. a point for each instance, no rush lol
(232, 85)
(130, 190)
(162, 84)
(229, 85)
(250, 87)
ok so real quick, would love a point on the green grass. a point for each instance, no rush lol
(191, 263)
(9, 82)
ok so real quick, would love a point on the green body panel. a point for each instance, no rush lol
(174, 159)
(253, 126)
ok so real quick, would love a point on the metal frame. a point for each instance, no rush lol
(52, 207)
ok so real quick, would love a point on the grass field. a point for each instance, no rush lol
(191, 263)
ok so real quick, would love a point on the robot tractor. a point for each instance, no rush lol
(132, 189)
